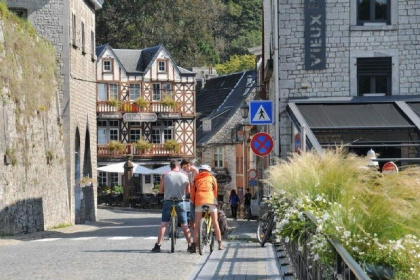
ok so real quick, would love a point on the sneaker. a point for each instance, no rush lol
(191, 248)
(156, 248)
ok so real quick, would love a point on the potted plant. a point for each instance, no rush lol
(142, 102)
(169, 101)
(171, 145)
(116, 147)
(113, 102)
(86, 181)
(143, 145)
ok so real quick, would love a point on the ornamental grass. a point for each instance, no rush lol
(376, 217)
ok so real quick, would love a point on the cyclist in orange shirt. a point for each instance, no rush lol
(204, 192)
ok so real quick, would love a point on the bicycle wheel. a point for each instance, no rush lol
(269, 229)
(173, 228)
(202, 236)
(211, 241)
(262, 229)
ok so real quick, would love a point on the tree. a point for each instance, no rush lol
(196, 32)
(236, 63)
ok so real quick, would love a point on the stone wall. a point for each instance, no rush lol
(344, 43)
(33, 188)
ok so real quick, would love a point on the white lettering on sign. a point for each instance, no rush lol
(315, 42)
(140, 117)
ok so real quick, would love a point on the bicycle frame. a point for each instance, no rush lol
(205, 232)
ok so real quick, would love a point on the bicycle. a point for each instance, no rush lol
(265, 227)
(205, 231)
(173, 224)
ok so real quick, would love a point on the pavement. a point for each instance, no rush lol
(243, 257)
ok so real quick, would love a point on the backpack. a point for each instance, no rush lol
(223, 225)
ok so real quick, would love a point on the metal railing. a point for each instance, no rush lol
(307, 268)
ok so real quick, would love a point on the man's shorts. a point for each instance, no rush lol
(192, 212)
(180, 211)
(212, 208)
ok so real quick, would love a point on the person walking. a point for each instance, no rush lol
(247, 205)
(234, 203)
(173, 184)
(191, 171)
(204, 192)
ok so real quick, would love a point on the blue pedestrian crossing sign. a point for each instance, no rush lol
(261, 112)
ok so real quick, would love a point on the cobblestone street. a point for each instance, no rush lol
(116, 247)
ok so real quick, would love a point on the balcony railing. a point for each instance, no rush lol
(132, 107)
(130, 149)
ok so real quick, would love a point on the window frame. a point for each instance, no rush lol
(395, 90)
(161, 131)
(74, 31)
(162, 66)
(104, 62)
(111, 128)
(218, 157)
(108, 91)
(134, 87)
(156, 92)
(83, 38)
(92, 45)
(392, 21)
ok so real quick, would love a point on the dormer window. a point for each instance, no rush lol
(107, 65)
(162, 66)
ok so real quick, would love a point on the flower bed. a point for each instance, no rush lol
(375, 217)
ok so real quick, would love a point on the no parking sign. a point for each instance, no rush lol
(262, 144)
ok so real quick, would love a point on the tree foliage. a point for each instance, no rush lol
(236, 63)
(196, 32)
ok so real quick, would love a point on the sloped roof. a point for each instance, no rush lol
(220, 98)
(137, 61)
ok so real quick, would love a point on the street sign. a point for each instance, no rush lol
(390, 168)
(252, 174)
(252, 183)
(262, 144)
(261, 112)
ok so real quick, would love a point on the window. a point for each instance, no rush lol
(102, 178)
(374, 75)
(83, 39)
(107, 66)
(167, 88)
(162, 131)
(374, 71)
(73, 26)
(134, 91)
(135, 134)
(113, 179)
(162, 66)
(373, 11)
(113, 91)
(107, 131)
(92, 45)
(102, 92)
(218, 157)
(108, 91)
(156, 92)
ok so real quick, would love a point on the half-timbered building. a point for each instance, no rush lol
(145, 110)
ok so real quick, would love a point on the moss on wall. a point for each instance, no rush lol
(28, 66)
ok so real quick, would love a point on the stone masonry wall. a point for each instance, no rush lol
(343, 39)
(33, 189)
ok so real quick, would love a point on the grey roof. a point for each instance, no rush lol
(136, 61)
(220, 99)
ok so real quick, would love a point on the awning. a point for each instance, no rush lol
(388, 120)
